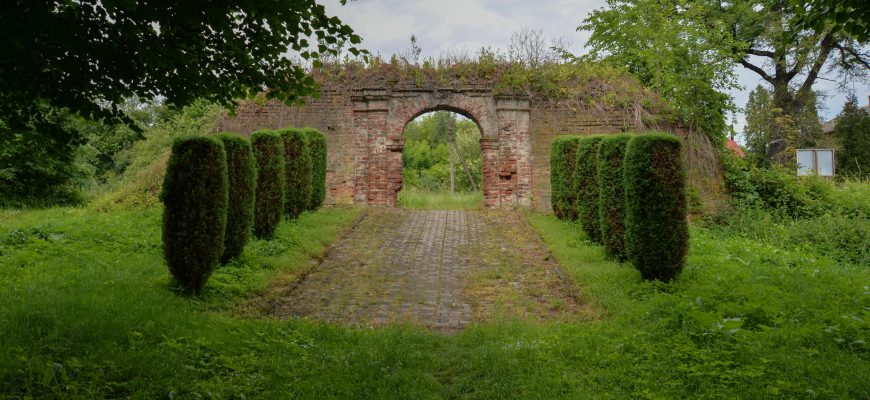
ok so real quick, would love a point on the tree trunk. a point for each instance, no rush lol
(452, 179)
(467, 171)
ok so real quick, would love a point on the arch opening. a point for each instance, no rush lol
(442, 161)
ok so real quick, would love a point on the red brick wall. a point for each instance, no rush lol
(364, 138)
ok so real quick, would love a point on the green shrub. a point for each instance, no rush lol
(194, 209)
(562, 159)
(656, 229)
(268, 149)
(242, 180)
(852, 197)
(611, 202)
(317, 148)
(297, 172)
(586, 185)
(40, 162)
(787, 194)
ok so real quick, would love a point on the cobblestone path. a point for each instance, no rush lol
(439, 269)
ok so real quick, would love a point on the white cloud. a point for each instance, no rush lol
(387, 25)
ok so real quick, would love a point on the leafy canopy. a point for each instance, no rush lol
(688, 49)
(89, 55)
(667, 47)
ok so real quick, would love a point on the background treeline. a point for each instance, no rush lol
(74, 159)
(426, 155)
(768, 124)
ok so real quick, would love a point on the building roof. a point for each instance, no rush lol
(829, 126)
(734, 147)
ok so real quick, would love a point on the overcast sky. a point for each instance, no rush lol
(441, 25)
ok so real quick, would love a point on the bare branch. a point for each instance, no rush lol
(757, 70)
(860, 58)
(531, 48)
(762, 53)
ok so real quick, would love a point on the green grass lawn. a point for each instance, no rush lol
(87, 310)
(420, 199)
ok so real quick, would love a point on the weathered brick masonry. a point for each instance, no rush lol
(364, 124)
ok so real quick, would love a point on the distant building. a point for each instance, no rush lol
(828, 127)
(734, 147)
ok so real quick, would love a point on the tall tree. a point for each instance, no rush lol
(661, 44)
(765, 122)
(688, 48)
(761, 124)
(63, 59)
(853, 130)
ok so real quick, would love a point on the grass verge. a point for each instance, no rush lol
(420, 199)
(87, 311)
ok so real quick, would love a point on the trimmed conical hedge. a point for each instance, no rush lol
(563, 197)
(586, 185)
(656, 229)
(242, 180)
(611, 204)
(268, 149)
(317, 149)
(194, 209)
(297, 173)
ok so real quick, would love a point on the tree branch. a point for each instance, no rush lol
(826, 46)
(757, 70)
(858, 56)
(762, 53)
(801, 60)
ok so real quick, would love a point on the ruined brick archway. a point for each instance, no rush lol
(379, 122)
(364, 112)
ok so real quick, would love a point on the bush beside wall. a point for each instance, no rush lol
(586, 185)
(297, 173)
(656, 229)
(317, 149)
(562, 159)
(242, 180)
(611, 202)
(268, 149)
(194, 209)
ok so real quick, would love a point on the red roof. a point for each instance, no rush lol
(734, 147)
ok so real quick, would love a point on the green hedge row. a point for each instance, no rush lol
(297, 172)
(563, 156)
(269, 205)
(194, 209)
(242, 180)
(317, 148)
(629, 193)
(586, 186)
(611, 202)
(656, 228)
(219, 189)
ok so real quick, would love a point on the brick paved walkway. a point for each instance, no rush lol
(439, 269)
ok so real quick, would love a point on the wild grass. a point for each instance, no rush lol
(420, 199)
(88, 310)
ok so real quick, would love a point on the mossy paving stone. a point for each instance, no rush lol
(439, 269)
